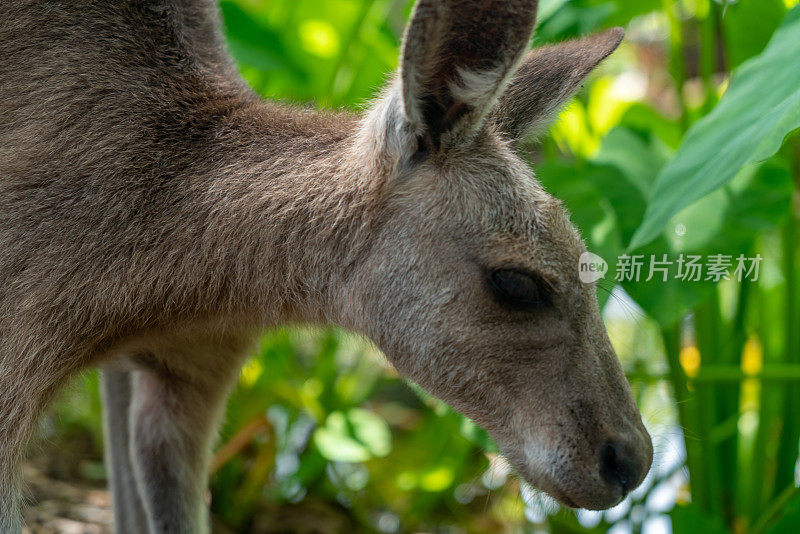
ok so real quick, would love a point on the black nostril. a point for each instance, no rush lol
(616, 468)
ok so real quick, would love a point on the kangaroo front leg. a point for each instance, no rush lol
(173, 421)
(27, 383)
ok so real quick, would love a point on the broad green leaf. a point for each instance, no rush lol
(631, 162)
(629, 153)
(548, 7)
(749, 125)
(748, 26)
(725, 222)
(647, 121)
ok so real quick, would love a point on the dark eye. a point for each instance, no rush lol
(520, 289)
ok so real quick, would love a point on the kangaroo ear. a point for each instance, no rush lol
(457, 58)
(547, 78)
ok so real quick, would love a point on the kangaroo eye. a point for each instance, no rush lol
(520, 289)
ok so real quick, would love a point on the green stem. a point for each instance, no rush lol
(688, 417)
(787, 452)
(772, 373)
(774, 509)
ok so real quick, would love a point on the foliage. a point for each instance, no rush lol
(664, 152)
(748, 126)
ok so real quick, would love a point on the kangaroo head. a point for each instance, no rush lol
(471, 285)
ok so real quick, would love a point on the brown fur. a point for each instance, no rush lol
(156, 215)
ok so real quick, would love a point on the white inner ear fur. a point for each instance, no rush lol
(385, 130)
(480, 87)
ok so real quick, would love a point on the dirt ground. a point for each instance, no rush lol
(61, 502)
(56, 507)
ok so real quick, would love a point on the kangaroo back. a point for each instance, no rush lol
(103, 101)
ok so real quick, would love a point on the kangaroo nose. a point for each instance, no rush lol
(617, 467)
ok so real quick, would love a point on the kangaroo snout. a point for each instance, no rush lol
(597, 477)
(624, 463)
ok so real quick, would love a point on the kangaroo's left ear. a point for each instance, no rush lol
(547, 78)
(458, 56)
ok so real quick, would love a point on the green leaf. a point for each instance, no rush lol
(752, 24)
(256, 44)
(477, 435)
(335, 443)
(749, 125)
(789, 518)
(692, 518)
(548, 7)
(571, 20)
(624, 150)
(371, 430)
(727, 221)
(339, 448)
(356, 436)
(626, 10)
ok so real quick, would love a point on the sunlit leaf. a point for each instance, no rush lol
(335, 443)
(371, 430)
(548, 7)
(437, 479)
(319, 37)
(256, 44)
(749, 125)
(355, 436)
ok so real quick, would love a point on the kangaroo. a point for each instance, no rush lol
(156, 216)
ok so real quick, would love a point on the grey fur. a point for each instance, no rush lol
(129, 514)
(156, 215)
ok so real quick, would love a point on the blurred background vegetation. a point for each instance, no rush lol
(681, 143)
